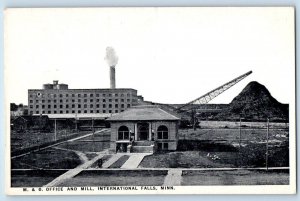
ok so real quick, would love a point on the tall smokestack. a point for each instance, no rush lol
(112, 60)
(112, 74)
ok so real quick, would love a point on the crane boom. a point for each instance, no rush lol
(215, 92)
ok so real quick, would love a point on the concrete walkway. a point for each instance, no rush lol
(134, 160)
(173, 178)
(73, 172)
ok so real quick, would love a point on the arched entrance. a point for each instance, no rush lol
(143, 131)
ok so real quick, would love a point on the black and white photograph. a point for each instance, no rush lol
(150, 100)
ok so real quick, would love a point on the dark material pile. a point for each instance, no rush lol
(255, 103)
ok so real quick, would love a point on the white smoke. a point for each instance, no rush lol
(111, 56)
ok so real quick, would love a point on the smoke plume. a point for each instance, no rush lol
(111, 56)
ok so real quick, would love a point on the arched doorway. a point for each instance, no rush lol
(143, 131)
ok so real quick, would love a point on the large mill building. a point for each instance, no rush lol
(59, 99)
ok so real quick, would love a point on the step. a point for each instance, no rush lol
(143, 143)
(142, 149)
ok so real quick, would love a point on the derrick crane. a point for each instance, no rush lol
(214, 93)
(192, 105)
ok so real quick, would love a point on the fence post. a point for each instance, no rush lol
(267, 146)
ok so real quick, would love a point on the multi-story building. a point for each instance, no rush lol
(59, 99)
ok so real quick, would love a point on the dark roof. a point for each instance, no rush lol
(144, 112)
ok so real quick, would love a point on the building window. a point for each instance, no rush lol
(49, 112)
(37, 106)
(31, 106)
(122, 100)
(60, 95)
(67, 106)
(97, 95)
(30, 95)
(98, 111)
(104, 106)
(60, 106)
(37, 112)
(128, 105)
(55, 112)
(73, 105)
(104, 100)
(79, 95)
(73, 95)
(122, 95)
(91, 95)
(109, 100)
(79, 111)
(60, 101)
(60, 112)
(67, 100)
(91, 111)
(73, 111)
(79, 106)
(109, 111)
(84, 95)
(91, 105)
(116, 100)
(116, 111)
(79, 100)
(116, 105)
(67, 111)
(85, 105)
(110, 106)
(49, 101)
(98, 100)
(122, 105)
(54, 106)
(104, 111)
(67, 95)
(85, 111)
(97, 105)
(43, 106)
(43, 101)
(85, 100)
(49, 106)
(109, 95)
(54, 101)
(162, 133)
(104, 95)
(43, 112)
(123, 133)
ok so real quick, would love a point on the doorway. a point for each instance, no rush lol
(143, 131)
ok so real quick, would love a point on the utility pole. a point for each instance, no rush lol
(267, 146)
(240, 133)
(93, 134)
(55, 130)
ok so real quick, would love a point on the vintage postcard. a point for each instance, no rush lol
(154, 100)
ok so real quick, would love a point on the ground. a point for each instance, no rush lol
(218, 146)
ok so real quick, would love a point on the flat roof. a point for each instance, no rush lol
(78, 116)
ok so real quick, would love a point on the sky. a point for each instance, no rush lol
(170, 55)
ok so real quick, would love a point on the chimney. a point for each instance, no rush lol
(112, 77)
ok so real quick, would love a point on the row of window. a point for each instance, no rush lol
(78, 106)
(80, 100)
(77, 112)
(39, 94)
(162, 133)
